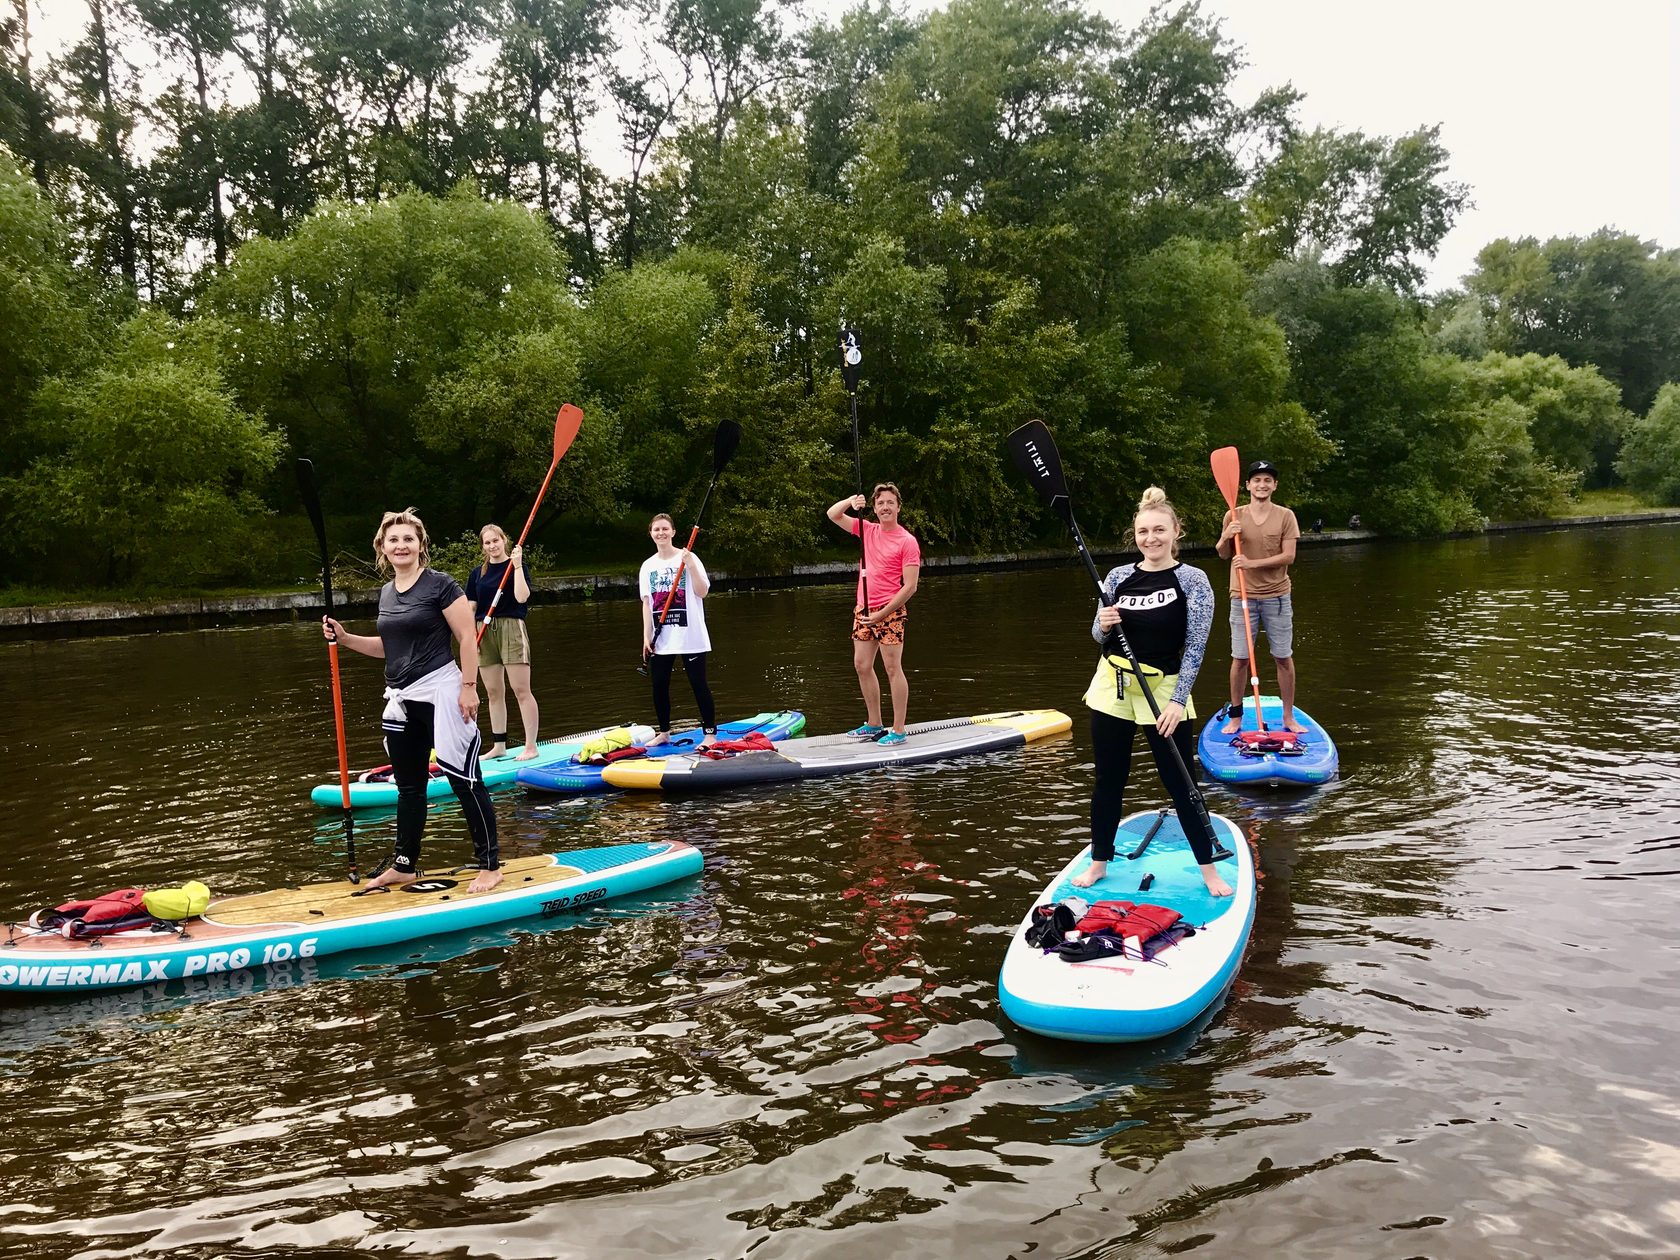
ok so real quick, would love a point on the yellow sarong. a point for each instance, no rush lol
(1118, 692)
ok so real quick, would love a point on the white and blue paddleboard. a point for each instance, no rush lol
(1128, 999)
(287, 924)
(1226, 758)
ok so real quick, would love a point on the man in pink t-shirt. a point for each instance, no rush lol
(892, 563)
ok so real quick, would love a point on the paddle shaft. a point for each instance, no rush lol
(857, 466)
(1248, 630)
(312, 505)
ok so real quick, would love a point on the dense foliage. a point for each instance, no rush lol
(396, 237)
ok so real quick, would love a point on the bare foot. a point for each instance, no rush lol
(1093, 873)
(659, 737)
(1232, 727)
(500, 750)
(708, 741)
(527, 753)
(485, 881)
(392, 876)
(1216, 886)
(1290, 724)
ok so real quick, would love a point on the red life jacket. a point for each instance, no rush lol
(114, 911)
(753, 741)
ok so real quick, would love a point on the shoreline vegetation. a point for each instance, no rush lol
(1016, 209)
(75, 618)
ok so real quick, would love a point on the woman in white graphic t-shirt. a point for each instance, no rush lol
(673, 586)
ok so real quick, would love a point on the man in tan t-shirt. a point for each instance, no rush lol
(1269, 534)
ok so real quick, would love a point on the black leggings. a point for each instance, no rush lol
(695, 667)
(1112, 739)
(411, 750)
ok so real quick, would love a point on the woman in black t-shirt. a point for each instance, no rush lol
(432, 704)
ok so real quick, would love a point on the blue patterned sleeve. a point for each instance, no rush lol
(1116, 575)
(1198, 608)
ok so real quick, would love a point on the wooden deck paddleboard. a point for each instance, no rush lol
(327, 918)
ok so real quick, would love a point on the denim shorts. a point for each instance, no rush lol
(1275, 617)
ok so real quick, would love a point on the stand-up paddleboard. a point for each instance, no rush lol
(827, 755)
(328, 918)
(373, 788)
(1231, 759)
(1114, 999)
(570, 777)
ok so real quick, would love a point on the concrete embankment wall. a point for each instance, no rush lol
(71, 620)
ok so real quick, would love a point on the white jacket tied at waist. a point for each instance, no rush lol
(454, 739)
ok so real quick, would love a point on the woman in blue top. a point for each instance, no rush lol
(1166, 610)
(507, 646)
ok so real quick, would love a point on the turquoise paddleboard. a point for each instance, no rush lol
(1111, 999)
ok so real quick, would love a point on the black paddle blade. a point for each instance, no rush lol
(851, 358)
(1034, 452)
(724, 444)
(311, 499)
(312, 504)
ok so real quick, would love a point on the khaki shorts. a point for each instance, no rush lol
(505, 643)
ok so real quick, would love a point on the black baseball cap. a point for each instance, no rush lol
(1261, 466)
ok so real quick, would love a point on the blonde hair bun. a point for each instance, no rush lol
(1154, 497)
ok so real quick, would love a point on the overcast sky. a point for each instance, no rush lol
(1562, 117)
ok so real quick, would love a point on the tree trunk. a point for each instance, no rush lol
(122, 191)
(218, 222)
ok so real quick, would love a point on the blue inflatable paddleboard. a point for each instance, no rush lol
(1112, 999)
(570, 777)
(1230, 759)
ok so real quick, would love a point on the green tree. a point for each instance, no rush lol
(1377, 206)
(1650, 460)
(1575, 416)
(786, 471)
(145, 470)
(46, 314)
(640, 339)
(341, 329)
(1609, 300)
(1394, 406)
(492, 424)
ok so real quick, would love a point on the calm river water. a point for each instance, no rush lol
(1454, 1033)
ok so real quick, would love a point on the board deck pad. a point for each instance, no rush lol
(344, 900)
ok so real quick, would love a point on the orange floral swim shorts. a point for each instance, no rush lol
(889, 629)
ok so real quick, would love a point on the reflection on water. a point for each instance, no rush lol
(1451, 1035)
